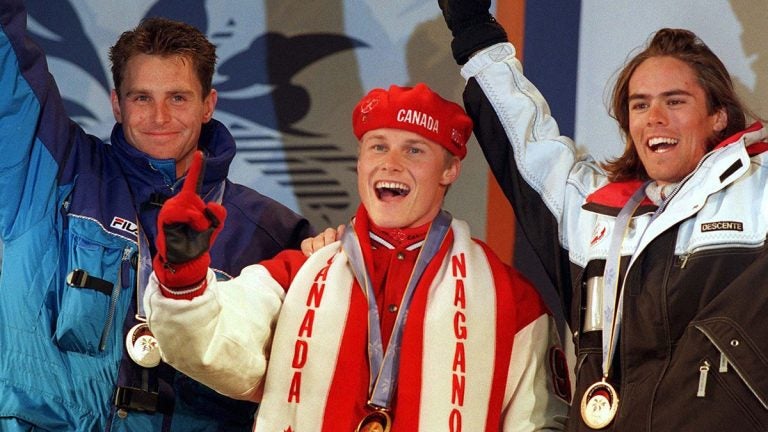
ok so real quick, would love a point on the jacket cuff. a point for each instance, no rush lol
(184, 293)
(475, 38)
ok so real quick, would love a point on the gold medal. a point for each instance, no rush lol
(377, 421)
(599, 405)
(142, 346)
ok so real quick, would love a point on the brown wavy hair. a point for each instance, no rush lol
(712, 75)
(164, 37)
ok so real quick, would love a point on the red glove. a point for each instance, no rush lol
(186, 230)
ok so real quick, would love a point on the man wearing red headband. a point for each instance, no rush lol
(405, 324)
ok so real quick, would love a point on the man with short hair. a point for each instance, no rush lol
(78, 222)
(406, 323)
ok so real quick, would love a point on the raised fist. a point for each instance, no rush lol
(462, 14)
(472, 26)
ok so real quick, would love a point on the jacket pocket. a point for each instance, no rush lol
(89, 299)
(741, 365)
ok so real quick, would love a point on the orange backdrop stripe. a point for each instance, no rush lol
(500, 222)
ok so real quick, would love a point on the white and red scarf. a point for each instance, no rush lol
(456, 349)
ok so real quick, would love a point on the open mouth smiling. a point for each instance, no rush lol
(661, 144)
(388, 190)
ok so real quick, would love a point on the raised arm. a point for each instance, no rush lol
(36, 136)
(538, 168)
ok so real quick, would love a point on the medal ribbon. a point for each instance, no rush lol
(612, 311)
(384, 366)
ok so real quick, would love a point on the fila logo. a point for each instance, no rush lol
(124, 225)
(722, 226)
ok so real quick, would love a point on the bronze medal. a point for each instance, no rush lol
(599, 405)
(142, 346)
(377, 421)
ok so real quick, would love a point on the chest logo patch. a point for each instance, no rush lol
(722, 226)
(124, 225)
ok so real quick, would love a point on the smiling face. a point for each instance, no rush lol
(402, 177)
(162, 108)
(668, 118)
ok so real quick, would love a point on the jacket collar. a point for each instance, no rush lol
(152, 181)
(610, 198)
(147, 175)
(755, 135)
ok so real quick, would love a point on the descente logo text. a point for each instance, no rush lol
(722, 226)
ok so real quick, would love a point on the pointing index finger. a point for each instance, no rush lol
(194, 179)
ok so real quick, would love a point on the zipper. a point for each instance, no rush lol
(683, 259)
(738, 372)
(723, 364)
(682, 182)
(703, 374)
(113, 298)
